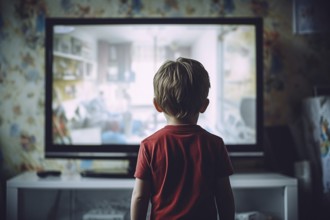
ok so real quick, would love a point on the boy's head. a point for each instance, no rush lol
(181, 88)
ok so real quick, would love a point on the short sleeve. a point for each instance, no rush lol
(142, 170)
(225, 167)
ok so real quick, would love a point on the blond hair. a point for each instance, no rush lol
(181, 87)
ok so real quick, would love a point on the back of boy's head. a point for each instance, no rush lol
(181, 87)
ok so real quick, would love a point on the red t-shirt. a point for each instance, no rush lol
(182, 163)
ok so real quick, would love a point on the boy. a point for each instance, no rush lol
(182, 169)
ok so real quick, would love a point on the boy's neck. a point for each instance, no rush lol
(174, 121)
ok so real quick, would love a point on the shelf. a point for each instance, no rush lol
(270, 193)
(72, 57)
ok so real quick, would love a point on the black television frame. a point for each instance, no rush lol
(130, 151)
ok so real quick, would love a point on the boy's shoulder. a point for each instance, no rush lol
(156, 135)
(182, 130)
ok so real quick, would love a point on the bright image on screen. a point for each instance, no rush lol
(102, 80)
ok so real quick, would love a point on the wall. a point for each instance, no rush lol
(293, 64)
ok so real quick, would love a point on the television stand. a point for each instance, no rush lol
(73, 196)
(107, 173)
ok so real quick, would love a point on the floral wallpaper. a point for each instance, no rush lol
(293, 64)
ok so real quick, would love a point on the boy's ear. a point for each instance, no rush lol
(204, 106)
(157, 107)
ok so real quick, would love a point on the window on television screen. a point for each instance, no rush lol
(102, 80)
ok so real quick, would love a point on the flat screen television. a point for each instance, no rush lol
(99, 73)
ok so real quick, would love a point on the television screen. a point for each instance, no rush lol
(99, 81)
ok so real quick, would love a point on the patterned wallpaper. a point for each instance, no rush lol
(293, 64)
